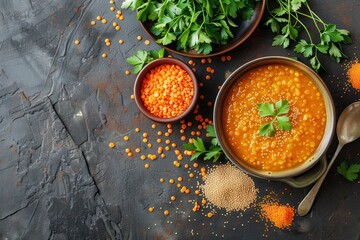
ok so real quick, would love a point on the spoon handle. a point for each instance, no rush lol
(307, 202)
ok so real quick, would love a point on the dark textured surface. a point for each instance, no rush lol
(61, 104)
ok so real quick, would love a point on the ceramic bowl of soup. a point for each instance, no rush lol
(274, 118)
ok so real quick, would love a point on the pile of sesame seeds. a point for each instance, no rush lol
(230, 188)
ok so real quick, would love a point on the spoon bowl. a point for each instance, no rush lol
(347, 130)
(348, 127)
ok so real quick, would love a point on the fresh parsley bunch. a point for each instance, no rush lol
(286, 21)
(192, 24)
(213, 152)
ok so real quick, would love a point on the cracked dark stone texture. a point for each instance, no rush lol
(47, 186)
(61, 104)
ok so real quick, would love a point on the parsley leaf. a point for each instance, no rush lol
(267, 130)
(141, 58)
(198, 147)
(278, 114)
(283, 123)
(349, 172)
(282, 107)
(266, 109)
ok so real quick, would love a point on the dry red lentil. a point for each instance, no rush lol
(167, 91)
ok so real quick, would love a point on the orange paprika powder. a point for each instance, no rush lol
(353, 74)
(280, 215)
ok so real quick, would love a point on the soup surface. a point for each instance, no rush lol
(307, 114)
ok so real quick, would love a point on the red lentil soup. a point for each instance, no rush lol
(241, 119)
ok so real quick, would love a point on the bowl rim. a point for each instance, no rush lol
(145, 70)
(329, 107)
(259, 9)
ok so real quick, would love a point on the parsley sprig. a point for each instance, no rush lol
(278, 114)
(287, 19)
(198, 146)
(141, 58)
(349, 172)
(191, 24)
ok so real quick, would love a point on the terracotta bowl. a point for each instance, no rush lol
(241, 33)
(139, 80)
(303, 174)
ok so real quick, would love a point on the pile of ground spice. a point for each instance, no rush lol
(228, 187)
(353, 74)
(281, 216)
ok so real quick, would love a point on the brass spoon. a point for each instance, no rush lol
(348, 130)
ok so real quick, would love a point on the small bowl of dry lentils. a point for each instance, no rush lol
(166, 90)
